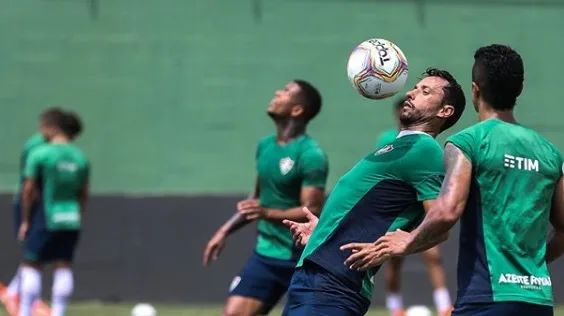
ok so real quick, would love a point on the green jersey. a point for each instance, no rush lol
(381, 193)
(283, 170)
(61, 171)
(31, 143)
(386, 137)
(505, 223)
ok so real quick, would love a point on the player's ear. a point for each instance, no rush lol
(446, 111)
(475, 91)
(297, 110)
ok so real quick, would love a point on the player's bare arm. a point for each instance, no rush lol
(311, 197)
(450, 203)
(28, 195)
(83, 197)
(555, 246)
(216, 244)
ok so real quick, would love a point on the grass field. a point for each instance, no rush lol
(99, 309)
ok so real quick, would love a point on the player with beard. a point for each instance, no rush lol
(291, 173)
(389, 189)
(431, 257)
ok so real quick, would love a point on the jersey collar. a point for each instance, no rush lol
(408, 132)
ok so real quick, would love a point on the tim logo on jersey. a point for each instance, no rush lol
(520, 163)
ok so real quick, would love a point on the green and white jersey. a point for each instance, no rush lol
(505, 223)
(61, 171)
(381, 193)
(283, 170)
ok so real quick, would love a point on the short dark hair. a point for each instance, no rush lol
(310, 98)
(72, 125)
(52, 116)
(499, 73)
(453, 95)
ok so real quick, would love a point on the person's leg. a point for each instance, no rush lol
(394, 299)
(441, 296)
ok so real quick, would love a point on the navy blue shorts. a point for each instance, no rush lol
(503, 309)
(314, 291)
(44, 246)
(265, 279)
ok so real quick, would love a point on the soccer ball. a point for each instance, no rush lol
(377, 69)
(418, 310)
(144, 310)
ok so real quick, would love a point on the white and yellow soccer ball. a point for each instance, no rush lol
(418, 310)
(143, 309)
(377, 69)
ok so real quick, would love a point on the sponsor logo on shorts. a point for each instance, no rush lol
(234, 283)
(529, 282)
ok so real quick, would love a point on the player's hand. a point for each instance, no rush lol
(251, 209)
(302, 231)
(370, 255)
(22, 232)
(214, 248)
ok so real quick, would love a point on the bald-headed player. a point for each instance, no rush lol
(390, 188)
(432, 257)
(291, 173)
(504, 181)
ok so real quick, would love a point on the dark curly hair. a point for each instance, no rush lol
(499, 73)
(453, 95)
(72, 125)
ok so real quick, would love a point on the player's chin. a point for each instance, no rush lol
(273, 113)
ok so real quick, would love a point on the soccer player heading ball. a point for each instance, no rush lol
(387, 190)
(291, 173)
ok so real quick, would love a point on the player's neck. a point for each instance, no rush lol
(486, 112)
(289, 130)
(59, 139)
(425, 128)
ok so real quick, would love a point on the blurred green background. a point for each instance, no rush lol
(174, 92)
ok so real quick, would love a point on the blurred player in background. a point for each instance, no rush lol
(432, 257)
(9, 295)
(505, 181)
(53, 199)
(387, 190)
(291, 173)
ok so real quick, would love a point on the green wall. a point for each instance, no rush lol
(173, 92)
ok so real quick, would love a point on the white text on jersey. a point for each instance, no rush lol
(520, 163)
